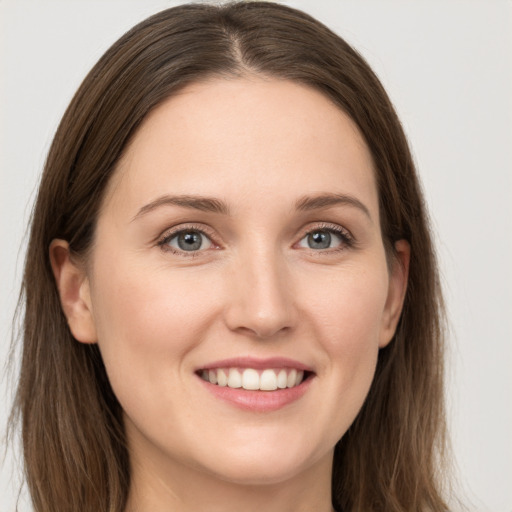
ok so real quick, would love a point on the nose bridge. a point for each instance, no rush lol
(260, 295)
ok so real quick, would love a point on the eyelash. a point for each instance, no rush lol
(347, 240)
(169, 235)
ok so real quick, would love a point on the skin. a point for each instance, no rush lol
(257, 289)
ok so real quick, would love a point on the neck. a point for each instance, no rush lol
(158, 486)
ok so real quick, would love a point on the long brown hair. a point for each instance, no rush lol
(72, 431)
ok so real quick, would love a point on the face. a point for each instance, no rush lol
(238, 287)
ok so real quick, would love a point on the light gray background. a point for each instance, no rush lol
(447, 66)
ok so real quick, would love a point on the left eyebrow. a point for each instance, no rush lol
(308, 203)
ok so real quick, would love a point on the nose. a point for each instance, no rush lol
(260, 296)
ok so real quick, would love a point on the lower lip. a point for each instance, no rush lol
(258, 401)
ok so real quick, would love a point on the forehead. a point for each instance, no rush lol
(237, 135)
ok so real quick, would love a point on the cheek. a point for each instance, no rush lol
(146, 317)
(348, 319)
(349, 309)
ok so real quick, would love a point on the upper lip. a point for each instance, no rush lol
(257, 363)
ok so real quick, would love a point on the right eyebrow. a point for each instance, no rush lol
(204, 204)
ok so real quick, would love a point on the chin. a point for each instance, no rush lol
(257, 472)
(268, 462)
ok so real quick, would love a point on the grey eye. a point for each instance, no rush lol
(321, 239)
(189, 241)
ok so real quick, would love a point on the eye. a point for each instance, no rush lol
(190, 240)
(325, 239)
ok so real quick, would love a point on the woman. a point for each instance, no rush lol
(231, 293)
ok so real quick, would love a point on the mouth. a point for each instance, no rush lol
(257, 385)
(255, 379)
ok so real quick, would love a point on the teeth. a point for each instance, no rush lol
(282, 379)
(292, 378)
(268, 380)
(222, 378)
(234, 379)
(251, 379)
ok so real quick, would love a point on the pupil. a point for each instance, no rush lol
(320, 240)
(189, 241)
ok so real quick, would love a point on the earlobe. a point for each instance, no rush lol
(398, 278)
(73, 286)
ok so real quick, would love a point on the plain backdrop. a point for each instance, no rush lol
(447, 66)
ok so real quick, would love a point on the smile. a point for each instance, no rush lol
(257, 385)
(251, 379)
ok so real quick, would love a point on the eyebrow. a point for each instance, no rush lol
(213, 205)
(205, 204)
(308, 203)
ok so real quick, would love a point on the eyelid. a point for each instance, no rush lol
(348, 239)
(170, 233)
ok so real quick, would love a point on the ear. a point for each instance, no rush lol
(399, 273)
(73, 287)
